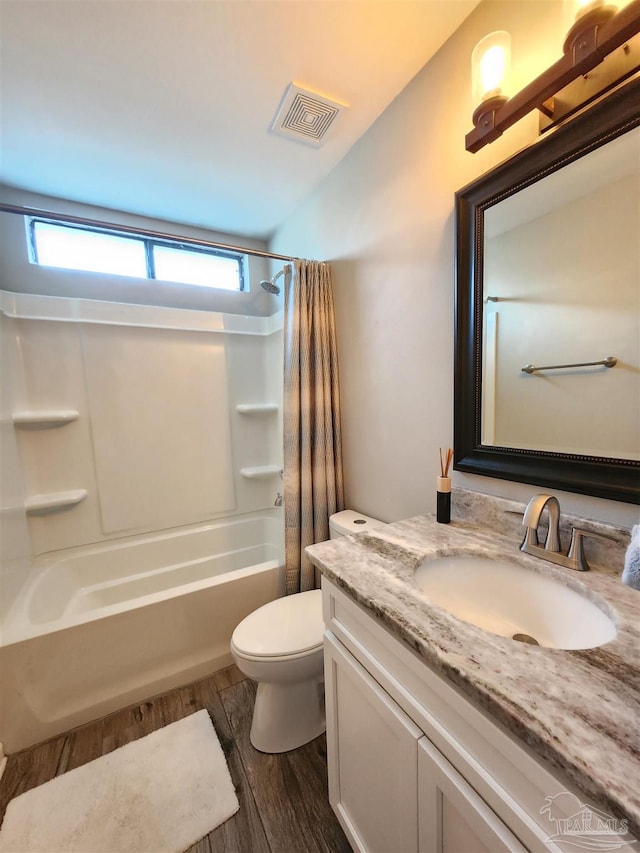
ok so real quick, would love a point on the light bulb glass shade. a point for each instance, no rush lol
(585, 16)
(490, 67)
(574, 9)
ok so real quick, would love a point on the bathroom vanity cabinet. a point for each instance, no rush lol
(415, 766)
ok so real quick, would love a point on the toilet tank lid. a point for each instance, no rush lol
(349, 521)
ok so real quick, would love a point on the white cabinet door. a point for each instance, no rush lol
(372, 759)
(452, 817)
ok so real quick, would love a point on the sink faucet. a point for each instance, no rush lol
(531, 520)
(551, 551)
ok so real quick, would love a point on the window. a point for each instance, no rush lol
(76, 249)
(74, 246)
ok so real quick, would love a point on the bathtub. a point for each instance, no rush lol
(97, 628)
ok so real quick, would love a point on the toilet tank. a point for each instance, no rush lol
(349, 521)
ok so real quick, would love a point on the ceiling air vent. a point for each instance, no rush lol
(305, 116)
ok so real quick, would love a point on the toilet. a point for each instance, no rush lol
(279, 646)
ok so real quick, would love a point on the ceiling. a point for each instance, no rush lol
(163, 107)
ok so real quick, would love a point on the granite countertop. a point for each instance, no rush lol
(578, 710)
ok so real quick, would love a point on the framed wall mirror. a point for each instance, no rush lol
(547, 365)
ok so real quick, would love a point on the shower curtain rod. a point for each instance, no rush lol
(145, 232)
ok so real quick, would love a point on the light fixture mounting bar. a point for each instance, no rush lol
(587, 53)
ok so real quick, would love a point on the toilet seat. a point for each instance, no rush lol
(275, 658)
(288, 627)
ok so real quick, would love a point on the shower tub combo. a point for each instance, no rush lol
(97, 628)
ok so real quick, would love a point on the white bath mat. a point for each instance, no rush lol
(163, 793)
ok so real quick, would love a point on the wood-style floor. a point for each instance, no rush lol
(283, 798)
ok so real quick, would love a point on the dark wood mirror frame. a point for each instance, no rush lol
(616, 479)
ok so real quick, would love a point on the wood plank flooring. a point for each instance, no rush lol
(283, 798)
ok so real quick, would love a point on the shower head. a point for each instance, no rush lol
(270, 286)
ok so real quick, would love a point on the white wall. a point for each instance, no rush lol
(384, 219)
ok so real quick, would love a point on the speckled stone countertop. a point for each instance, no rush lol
(579, 710)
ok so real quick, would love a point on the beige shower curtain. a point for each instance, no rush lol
(312, 444)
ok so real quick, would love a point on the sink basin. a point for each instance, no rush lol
(515, 602)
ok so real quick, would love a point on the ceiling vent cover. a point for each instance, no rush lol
(305, 116)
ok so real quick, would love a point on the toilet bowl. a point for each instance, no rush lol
(280, 646)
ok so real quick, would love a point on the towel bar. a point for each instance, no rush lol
(609, 361)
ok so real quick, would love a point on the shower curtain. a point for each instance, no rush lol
(313, 487)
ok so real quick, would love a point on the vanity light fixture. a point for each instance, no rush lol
(490, 68)
(598, 29)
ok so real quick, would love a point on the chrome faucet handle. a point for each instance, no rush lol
(576, 548)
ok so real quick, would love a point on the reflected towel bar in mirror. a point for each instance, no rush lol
(609, 361)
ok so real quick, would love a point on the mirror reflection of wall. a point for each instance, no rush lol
(562, 285)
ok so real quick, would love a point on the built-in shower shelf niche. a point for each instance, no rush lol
(54, 501)
(261, 472)
(45, 419)
(257, 408)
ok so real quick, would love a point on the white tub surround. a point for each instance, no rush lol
(106, 433)
(574, 712)
(97, 628)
